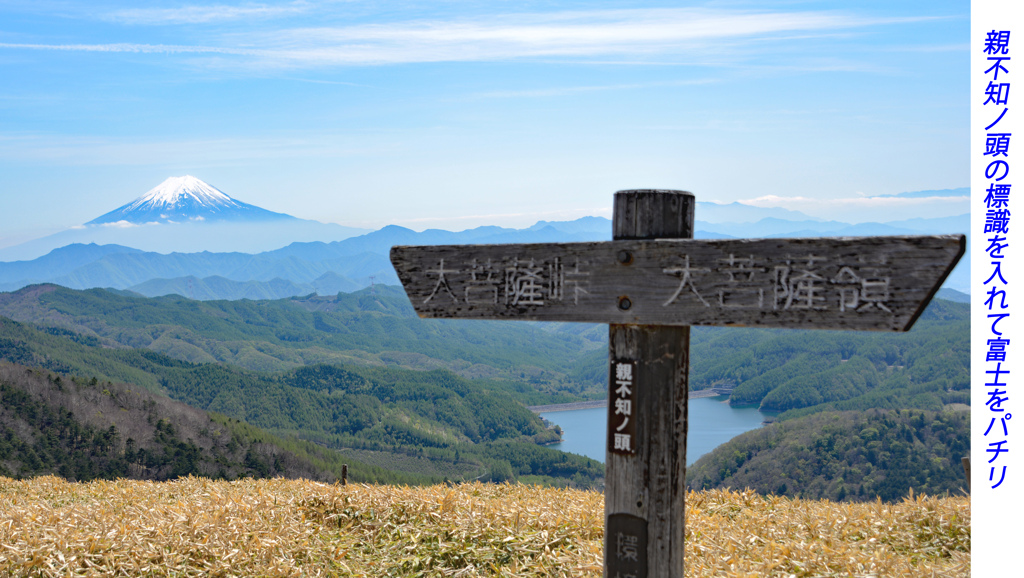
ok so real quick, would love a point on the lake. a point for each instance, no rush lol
(712, 422)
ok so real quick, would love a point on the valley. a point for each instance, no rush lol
(432, 400)
(311, 344)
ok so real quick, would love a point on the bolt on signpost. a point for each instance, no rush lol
(650, 284)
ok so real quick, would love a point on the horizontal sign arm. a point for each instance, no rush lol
(873, 283)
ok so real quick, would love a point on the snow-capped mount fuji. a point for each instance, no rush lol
(186, 215)
(186, 200)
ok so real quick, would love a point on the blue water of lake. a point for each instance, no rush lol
(712, 422)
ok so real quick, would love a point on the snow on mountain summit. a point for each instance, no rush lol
(185, 199)
(178, 190)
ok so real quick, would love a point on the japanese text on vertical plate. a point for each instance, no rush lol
(621, 410)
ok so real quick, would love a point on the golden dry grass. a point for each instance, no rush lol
(193, 527)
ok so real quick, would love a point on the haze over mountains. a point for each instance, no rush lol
(189, 238)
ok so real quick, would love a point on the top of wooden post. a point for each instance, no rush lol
(653, 214)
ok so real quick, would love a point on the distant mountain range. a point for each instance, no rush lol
(357, 262)
(125, 249)
(298, 269)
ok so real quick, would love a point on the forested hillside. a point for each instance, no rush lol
(347, 371)
(85, 429)
(369, 327)
(856, 456)
(779, 370)
(434, 424)
(861, 415)
(803, 372)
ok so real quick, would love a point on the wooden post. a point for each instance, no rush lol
(344, 474)
(966, 463)
(645, 467)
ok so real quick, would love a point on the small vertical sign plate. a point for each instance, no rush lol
(622, 407)
(626, 542)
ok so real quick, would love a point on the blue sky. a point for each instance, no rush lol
(455, 114)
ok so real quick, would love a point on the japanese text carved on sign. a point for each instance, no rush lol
(838, 283)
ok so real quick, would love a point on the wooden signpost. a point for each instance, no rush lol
(650, 283)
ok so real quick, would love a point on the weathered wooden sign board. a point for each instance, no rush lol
(650, 284)
(834, 283)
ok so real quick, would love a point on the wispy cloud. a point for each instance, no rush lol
(871, 202)
(865, 208)
(570, 90)
(126, 47)
(113, 151)
(202, 14)
(119, 225)
(644, 34)
(579, 34)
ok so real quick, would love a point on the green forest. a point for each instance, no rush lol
(797, 373)
(434, 424)
(791, 371)
(375, 327)
(85, 429)
(433, 400)
(851, 455)
(861, 415)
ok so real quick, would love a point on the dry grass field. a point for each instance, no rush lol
(196, 527)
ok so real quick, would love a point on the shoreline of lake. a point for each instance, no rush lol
(712, 422)
(577, 405)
